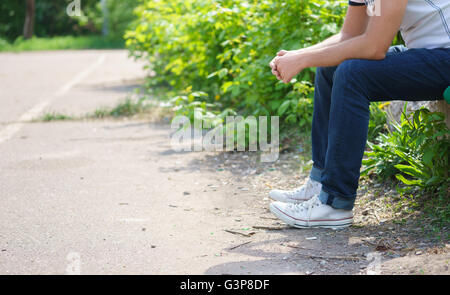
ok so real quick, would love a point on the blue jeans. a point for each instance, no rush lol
(341, 110)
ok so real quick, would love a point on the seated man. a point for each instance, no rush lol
(356, 67)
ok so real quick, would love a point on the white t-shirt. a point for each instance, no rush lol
(426, 23)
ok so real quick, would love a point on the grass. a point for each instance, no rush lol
(49, 117)
(61, 43)
(126, 108)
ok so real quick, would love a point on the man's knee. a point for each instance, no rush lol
(350, 72)
(351, 80)
(325, 73)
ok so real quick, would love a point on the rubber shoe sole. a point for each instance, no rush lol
(299, 223)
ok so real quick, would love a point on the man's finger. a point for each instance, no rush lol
(275, 72)
(273, 63)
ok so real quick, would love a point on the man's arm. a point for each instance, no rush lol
(355, 24)
(372, 44)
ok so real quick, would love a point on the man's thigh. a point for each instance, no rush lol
(413, 74)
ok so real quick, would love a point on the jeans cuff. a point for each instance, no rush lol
(336, 202)
(316, 174)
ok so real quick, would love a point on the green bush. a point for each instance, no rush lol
(378, 121)
(416, 152)
(222, 48)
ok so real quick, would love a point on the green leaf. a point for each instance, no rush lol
(428, 156)
(408, 182)
(226, 86)
(433, 180)
(283, 108)
(410, 170)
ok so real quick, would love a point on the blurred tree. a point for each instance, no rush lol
(28, 27)
(12, 16)
(51, 18)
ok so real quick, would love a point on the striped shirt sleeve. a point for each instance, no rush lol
(357, 2)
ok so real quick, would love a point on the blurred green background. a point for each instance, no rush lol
(54, 29)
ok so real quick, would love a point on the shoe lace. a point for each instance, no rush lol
(304, 188)
(306, 206)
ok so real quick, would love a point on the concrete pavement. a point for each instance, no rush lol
(103, 197)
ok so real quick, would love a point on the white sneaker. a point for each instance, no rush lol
(301, 194)
(312, 213)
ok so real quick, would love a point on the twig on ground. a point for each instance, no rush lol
(352, 258)
(369, 242)
(271, 218)
(376, 216)
(239, 233)
(237, 246)
(296, 247)
(269, 227)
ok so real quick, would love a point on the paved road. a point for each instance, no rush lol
(71, 82)
(107, 197)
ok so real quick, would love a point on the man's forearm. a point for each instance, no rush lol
(372, 44)
(333, 40)
(360, 47)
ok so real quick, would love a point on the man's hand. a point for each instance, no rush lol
(286, 65)
(274, 66)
